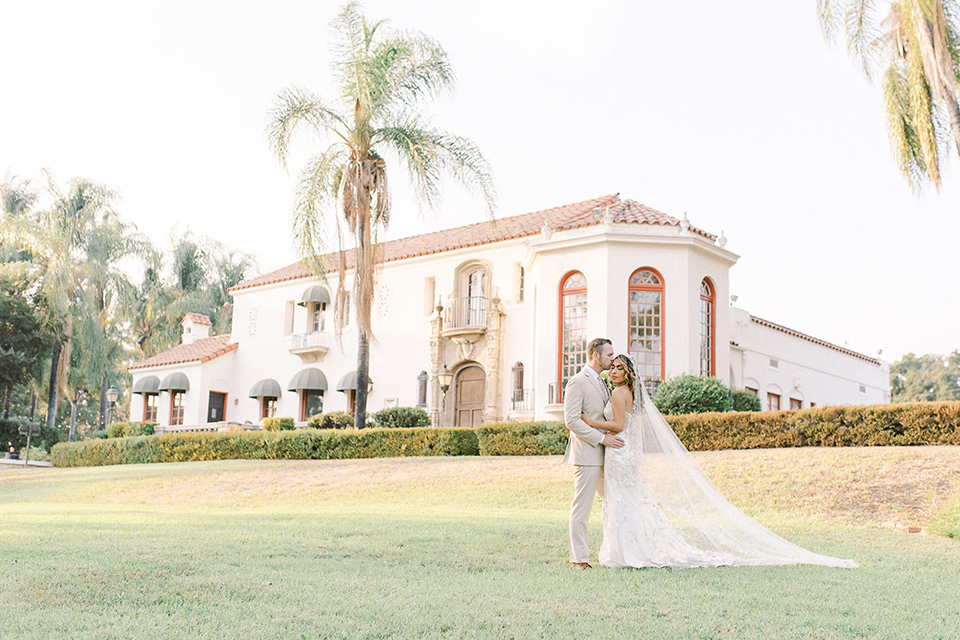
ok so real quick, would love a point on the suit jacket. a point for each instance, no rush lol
(583, 393)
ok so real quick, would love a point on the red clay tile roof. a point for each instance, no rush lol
(822, 343)
(571, 216)
(197, 318)
(202, 350)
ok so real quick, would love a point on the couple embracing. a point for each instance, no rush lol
(659, 509)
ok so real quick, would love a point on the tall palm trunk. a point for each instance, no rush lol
(53, 395)
(363, 374)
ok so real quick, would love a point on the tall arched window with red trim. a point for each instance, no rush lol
(708, 300)
(646, 323)
(573, 325)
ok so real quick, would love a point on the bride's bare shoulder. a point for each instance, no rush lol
(622, 392)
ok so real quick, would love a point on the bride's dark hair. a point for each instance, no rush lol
(630, 375)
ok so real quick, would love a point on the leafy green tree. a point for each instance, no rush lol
(692, 394)
(383, 78)
(925, 378)
(23, 342)
(915, 48)
(56, 239)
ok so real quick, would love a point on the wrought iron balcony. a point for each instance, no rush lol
(522, 400)
(466, 313)
(311, 347)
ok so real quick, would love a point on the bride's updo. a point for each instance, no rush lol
(630, 376)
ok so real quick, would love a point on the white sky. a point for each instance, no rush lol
(738, 114)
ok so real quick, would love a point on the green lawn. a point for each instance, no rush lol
(439, 548)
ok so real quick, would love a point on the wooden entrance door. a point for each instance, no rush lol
(471, 387)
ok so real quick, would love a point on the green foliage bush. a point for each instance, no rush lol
(544, 438)
(278, 424)
(128, 429)
(692, 394)
(915, 423)
(331, 420)
(744, 400)
(401, 417)
(301, 444)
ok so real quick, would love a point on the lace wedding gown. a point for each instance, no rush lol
(660, 510)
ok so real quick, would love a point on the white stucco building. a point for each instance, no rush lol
(507, 308)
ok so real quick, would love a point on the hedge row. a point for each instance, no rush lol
(545, 438)
(895, 424)
(302, 444)
(914, 423)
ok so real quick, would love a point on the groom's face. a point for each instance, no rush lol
(605, 357)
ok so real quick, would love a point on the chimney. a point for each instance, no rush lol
(195, 327)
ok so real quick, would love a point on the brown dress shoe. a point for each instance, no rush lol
(580, 566)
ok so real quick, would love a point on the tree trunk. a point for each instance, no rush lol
(73, 417)
(33, 402)
(53, 395)
(103, 404)
(6, 403)
(363, 374)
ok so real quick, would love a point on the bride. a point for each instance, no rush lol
(659, 509)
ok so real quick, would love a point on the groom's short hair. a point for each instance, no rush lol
(596, 345)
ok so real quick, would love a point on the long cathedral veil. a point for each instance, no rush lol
(692, 504)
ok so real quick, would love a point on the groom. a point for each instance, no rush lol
(586, 392)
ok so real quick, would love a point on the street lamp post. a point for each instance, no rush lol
(112, 395)
(445, 378)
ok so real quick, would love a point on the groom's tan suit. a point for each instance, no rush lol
(585, 392)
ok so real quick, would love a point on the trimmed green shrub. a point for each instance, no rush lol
(744, 400)
(127, 429)
(301, 444)
(278, 424)
(401, 417)
(544, 438)
(331, 420)
(914, 423)
(692, 394)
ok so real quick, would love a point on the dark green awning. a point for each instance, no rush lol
(175, 382)
(266, 388)
(309, 379)
(316, 293)
(349, 382)
(147, 384)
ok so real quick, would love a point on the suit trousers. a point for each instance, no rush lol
(587, 482)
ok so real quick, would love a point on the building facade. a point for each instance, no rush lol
(507, 309)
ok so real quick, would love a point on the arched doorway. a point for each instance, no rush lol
(470, 392)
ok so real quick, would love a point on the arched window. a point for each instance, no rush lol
(518, 382)
(708, 300)
(573, 325)
(646, 323)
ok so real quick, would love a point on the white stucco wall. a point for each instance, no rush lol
(403, 316)
(807, 371)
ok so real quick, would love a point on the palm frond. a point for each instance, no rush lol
(430, 153)
(296, 107)
(316, 192)
(861, 34)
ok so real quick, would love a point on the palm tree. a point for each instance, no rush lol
(56, 239)
(921, 71)
(383, 78)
